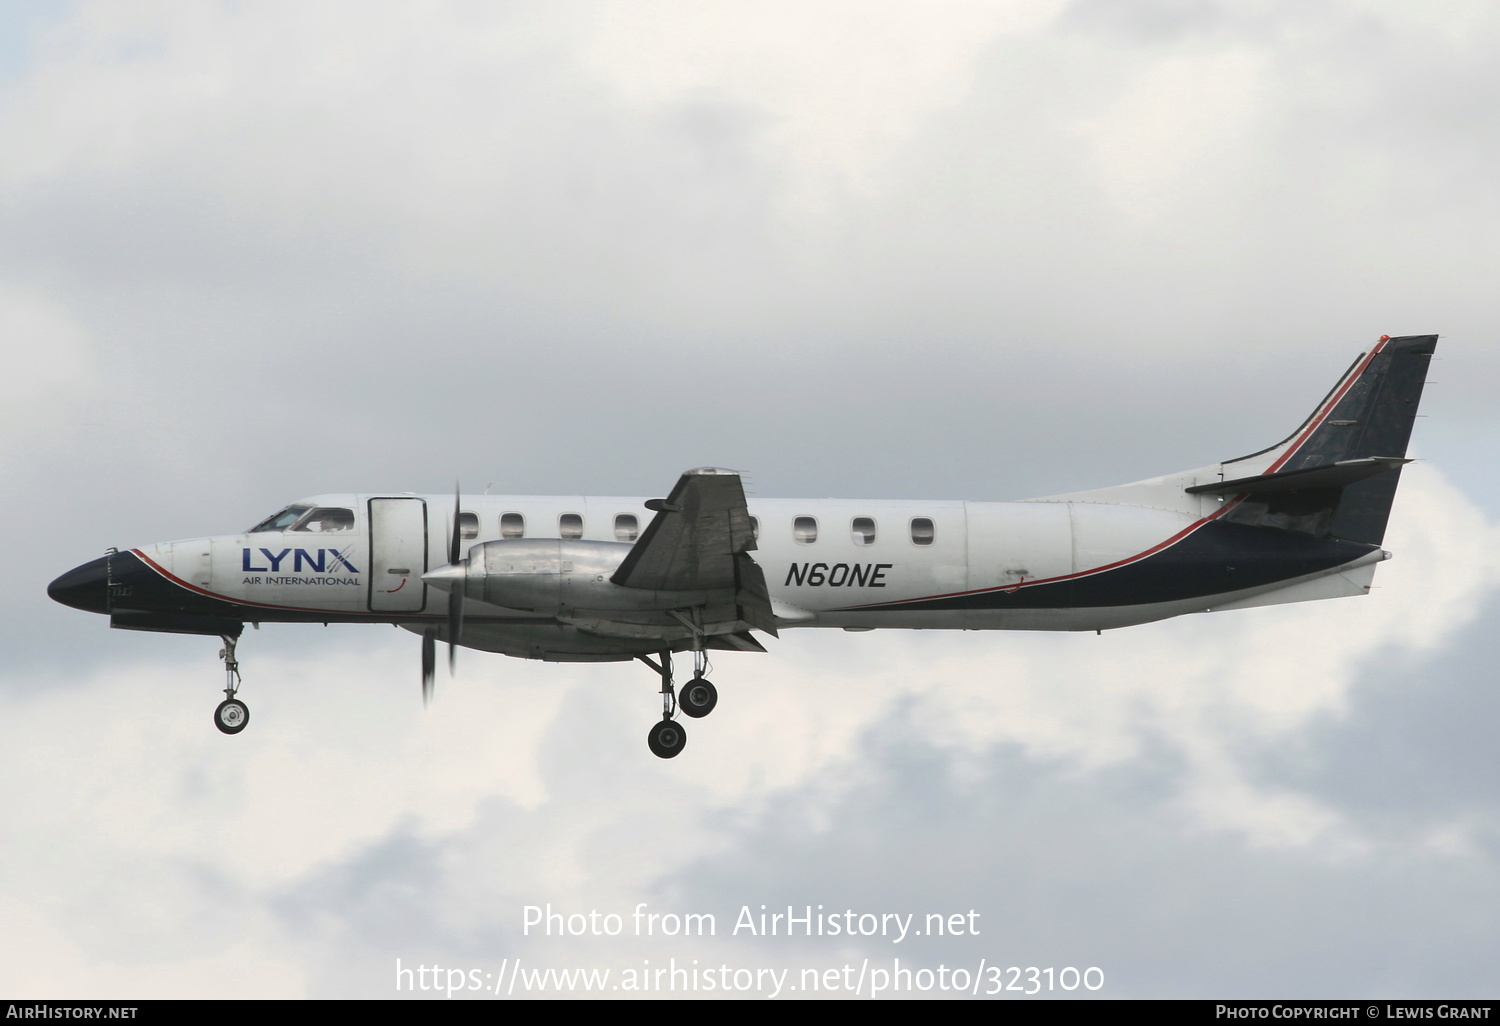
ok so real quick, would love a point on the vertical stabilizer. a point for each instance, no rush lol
(1368, 416)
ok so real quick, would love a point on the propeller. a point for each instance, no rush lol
(429, 664)
(451, 577)
(456, 593)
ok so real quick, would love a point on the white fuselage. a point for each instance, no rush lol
(827, 562)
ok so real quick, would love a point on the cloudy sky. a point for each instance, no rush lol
(965, 250)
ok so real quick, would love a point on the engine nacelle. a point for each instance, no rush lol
(558, 577)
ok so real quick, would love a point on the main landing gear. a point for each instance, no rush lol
(232, 715)
(699, 696)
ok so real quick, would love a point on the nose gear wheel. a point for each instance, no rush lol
(232, 715)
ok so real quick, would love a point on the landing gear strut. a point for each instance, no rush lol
(232, 715)
(668, 738)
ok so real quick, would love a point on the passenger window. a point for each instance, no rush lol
(512, 525)
(805, 530)
(627, 527)
(863, 529)
(570, 525)
(327, 519)
(921, 531)
(755, 528)
(468, 526)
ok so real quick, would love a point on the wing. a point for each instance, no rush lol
(700, 540)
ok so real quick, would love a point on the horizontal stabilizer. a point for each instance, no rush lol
(1334, 475)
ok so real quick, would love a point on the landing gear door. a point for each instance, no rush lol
(398, 555)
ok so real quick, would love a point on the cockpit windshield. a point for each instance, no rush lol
(322, 520)
(280, 521)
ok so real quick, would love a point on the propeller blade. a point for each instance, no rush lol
(453, 540)
(456, 594)
(429, 665)
(455, 625)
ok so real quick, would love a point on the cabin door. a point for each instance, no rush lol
(398, 555)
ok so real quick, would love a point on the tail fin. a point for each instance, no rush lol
(1336, 475)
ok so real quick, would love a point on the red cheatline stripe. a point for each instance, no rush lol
(1315, 423)
(1012, 588)
(1333, 401)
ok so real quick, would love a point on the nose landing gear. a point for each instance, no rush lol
(232, 715)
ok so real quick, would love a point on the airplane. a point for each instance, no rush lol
(595, 579)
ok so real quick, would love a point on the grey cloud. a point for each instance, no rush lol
(1413, 754)
(1072, 869)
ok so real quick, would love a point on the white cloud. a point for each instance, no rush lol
(838, 87)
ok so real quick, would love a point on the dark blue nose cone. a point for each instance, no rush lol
(84, 587)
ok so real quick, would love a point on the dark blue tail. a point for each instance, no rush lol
(1336, 476)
